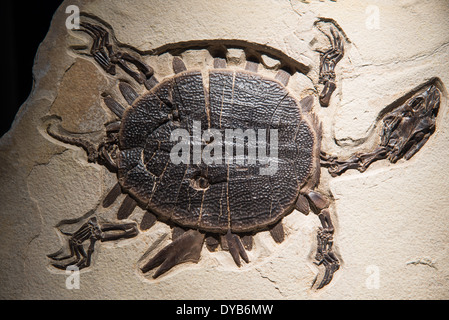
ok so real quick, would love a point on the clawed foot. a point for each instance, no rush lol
(329, 60)
(91, 231)
(325, 256)
(88, 231)
(108, 56)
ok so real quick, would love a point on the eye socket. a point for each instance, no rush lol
(417, 104)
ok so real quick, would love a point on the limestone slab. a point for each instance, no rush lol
(391, 221)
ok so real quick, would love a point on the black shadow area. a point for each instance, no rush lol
(24, 25)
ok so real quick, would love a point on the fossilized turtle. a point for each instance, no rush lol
(225, 191)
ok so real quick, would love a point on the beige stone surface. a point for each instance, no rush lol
(391, 221)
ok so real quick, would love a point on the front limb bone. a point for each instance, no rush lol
(329, 60)
(325, 254)
(319, 204)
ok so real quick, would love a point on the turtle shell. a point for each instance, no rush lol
(224, 196)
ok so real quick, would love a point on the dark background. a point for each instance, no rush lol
(24, 25)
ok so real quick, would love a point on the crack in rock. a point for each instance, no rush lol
(423, 261)
(271, 281)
